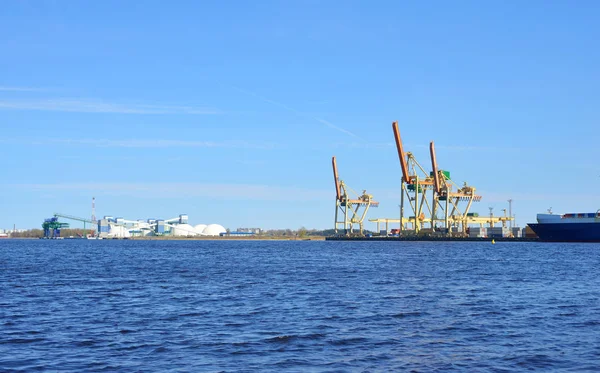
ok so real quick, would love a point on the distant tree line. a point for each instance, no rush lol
(37, 233)
(30, 233)
(301, 232)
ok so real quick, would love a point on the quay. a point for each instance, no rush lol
(431, 238)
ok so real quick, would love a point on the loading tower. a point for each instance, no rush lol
(52, 227)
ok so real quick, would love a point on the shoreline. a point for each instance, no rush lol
(192, 238)
(427, 238)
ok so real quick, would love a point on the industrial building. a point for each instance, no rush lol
(119, 227)
(110, 227)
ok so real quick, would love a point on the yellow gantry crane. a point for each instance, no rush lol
(350, 208)
(432, 194)
(417, 187)
(448, 196)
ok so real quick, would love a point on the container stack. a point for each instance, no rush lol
(477, 232)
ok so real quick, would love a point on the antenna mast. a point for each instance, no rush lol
(510, 222)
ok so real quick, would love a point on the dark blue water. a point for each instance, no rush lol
(144, 306)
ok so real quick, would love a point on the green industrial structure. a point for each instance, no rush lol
(52, 227)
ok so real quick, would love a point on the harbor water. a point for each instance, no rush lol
(302, 306)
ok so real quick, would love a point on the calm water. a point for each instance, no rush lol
(195, 306)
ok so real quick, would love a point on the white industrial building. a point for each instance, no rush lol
(110, 227)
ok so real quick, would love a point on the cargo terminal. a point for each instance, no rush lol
(431, 205)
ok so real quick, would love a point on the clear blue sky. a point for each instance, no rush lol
(230, 111)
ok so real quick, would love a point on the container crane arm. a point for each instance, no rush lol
(401, 153)
(434, 168)
(336, 179)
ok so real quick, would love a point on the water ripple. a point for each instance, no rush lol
(222, 306)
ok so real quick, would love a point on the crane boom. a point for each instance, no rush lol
(401, 153)
(436, 177)
(70, 217)
(336, 179)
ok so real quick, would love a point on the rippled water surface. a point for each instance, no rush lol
(131, 306)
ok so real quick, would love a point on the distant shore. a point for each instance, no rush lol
(230, 238)
(192, 238)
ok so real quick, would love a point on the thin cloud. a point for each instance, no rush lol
(96, 106)
(496, 197)
(297, 112)
(470, 148)
(20, 89)
(331, 125)
(183, 190)
(143, 143)
(363, 145)
(318, 102)
(268, 100)
(408, 147)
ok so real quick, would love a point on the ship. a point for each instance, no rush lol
(575, 227)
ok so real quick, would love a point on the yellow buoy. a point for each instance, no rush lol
(493, 241)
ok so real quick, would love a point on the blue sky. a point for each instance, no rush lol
(230, 111)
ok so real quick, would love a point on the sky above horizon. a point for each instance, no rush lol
(230, 112)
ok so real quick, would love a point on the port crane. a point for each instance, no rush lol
(429, 194)
(456, 202)
(449, 197)
(349, 208)
(416, 187)
(432, 194)
(52, 227)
